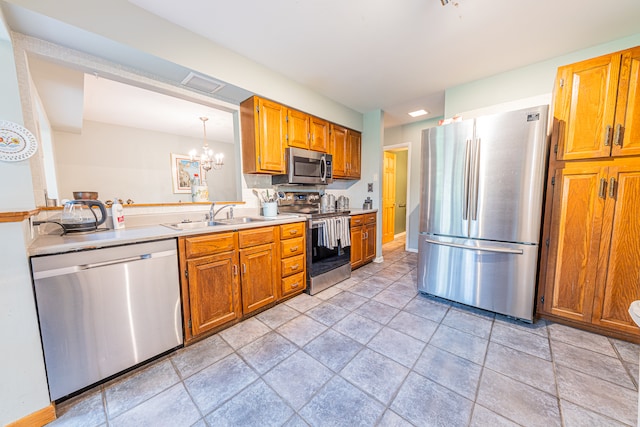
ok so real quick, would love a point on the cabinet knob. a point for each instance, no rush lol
(295, 267)
(294, 249)
(295, 285)
(293, 232)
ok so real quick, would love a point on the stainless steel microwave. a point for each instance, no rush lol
(305, 167)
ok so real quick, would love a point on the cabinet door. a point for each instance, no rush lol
(339, 150)
(626, 139)
(297, 129)
(258, 272)
(319, 135)
(357, 253)
(214, 291)
(271, 136)
(585, 106)
(369, 247)
(574, 241)
(619, 266)
(354, 154)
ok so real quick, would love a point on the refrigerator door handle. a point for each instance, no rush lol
(465, 188)
(495, 249)
(475, 181)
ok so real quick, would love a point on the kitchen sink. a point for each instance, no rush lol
(192, 225)
(205, 224)
(239, 220)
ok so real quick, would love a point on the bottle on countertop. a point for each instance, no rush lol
(117, 213)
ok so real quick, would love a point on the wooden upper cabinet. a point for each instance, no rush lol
(597, 107)
(619, 264)
(264, 128)
(298, 129)
(354, 154)
(319, 135)
(338, 149)
(626, 139)
(574, 242)
(346, 150)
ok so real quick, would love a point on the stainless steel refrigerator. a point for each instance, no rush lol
(481, 208)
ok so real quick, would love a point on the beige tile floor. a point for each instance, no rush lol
(372, 351)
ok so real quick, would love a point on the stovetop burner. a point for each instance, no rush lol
(307, 204)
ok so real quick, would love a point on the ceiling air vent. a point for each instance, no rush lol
(202, 83)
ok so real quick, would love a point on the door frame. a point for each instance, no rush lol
(402, 147)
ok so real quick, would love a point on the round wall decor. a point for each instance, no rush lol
(16, 142)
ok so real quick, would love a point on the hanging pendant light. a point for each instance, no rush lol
(207, 159)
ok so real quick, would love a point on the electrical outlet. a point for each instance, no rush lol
(370, 187)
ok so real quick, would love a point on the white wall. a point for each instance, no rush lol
(411, 134)
(23, 385)
(130, 163)
(526, 82)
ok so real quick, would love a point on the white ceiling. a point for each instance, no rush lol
(394, 55)
(400, 55)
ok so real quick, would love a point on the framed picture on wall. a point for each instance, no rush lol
(182, 172)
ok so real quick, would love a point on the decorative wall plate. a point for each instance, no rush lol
(16, 142)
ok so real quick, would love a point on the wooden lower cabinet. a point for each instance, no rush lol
(592, 270)
(229, 275)
(293, 259)
(214, 291)
(258, 277)
(363, 239)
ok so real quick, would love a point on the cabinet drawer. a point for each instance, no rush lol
(370, 218)
(292, 265)
(209, 244)
(289, 231)
(293, 283)
(291, 247)
(357, 220)
(255, 236)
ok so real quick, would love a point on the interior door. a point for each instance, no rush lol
(388, 197)
(508, 175)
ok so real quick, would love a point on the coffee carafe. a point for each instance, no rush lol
(78, 215)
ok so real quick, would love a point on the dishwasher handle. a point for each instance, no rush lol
(76, 268)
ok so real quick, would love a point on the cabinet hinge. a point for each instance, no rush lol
(553, 180)
(542, 299)
(186, 273)
(546, 242)
(259, 160)
(561, 82)
(286, 119)
(555, 148)
(189, 323)
(257, 108)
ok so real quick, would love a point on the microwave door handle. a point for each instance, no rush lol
(323, 168)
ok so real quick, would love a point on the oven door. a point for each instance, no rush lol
(321, 259)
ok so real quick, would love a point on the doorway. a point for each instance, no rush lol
(394, 193)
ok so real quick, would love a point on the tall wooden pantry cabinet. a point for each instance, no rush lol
(590, 264)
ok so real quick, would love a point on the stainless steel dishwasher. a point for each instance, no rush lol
(103, 311)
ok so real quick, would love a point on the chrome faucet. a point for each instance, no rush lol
(213, 211)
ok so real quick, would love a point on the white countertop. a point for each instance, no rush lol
(53, 244)
(362, 211)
